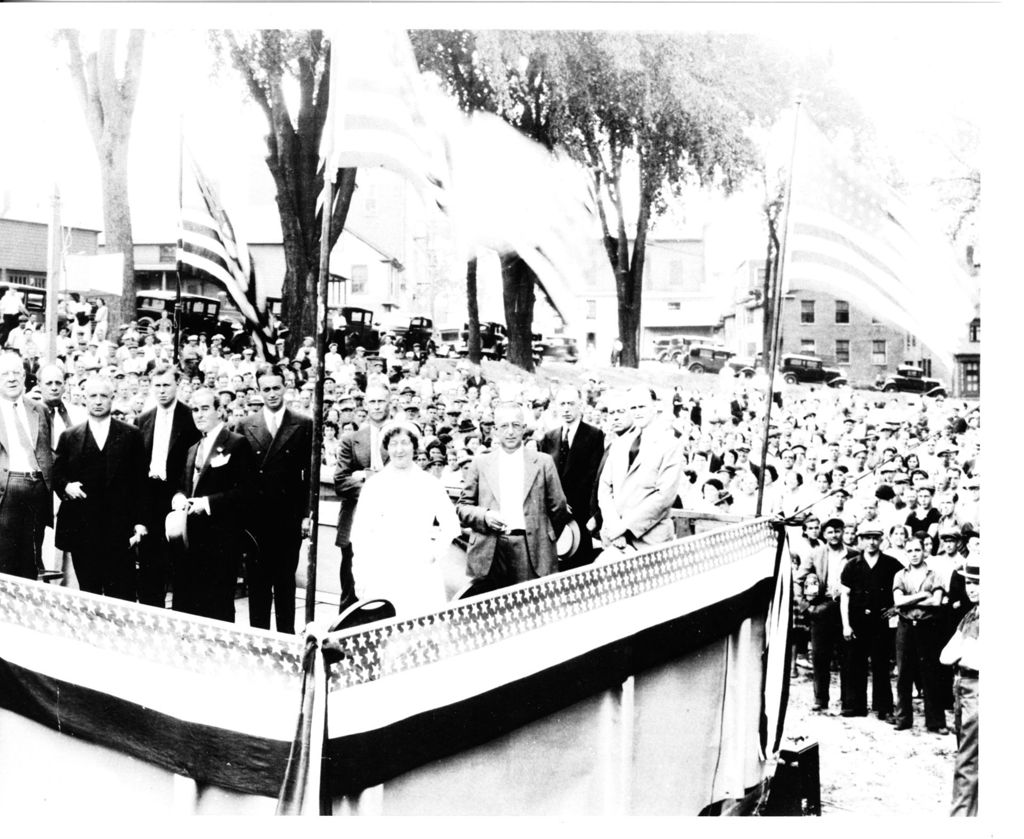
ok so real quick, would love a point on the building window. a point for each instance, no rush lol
(878, 352)
(974, 331)
(972, 378)
(591, 310)
(806, 311)
(35, 280)
(359, 279)
(762, 275)
(807, 346)
(842, 311)
(168, 253)
(675, 306)
(842, 352)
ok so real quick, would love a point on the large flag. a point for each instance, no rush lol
(376, 115)
(500, 190)
(852, 236)
(209, 244)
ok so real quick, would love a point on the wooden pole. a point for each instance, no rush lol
(318, 395)
(54, 270)
(776, 303)
(181, 225)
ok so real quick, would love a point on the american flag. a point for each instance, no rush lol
(209, 245)
(852, 236)
(378, 113)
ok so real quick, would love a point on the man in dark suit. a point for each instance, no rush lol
(216, 488)
(168, 432)
(282, 441)
(359, 455)
(577, 449)
(513, 501)
(98, 473)
(26, 473)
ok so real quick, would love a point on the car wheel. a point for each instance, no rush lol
(676, 357)
(889, 388)
(697, 368)
(145, 323)
(939, 391)
(747, 373)
(789, 379)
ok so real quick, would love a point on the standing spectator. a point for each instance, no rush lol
(395, 547)
(963, 652)
(11, 306)
(866, 597)
(26, 469)
(98, 472)
(825, 623)
(917, 595)
(168, 432)
(925, 518)
(576, 448)
(640, 481)
(359, 455)
(514, 534)
(214, 490)
(282, 441)
(102, 320)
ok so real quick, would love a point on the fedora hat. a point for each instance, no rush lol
(176, 527)
(568, 541)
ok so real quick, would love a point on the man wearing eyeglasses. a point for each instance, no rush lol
(26, 466)
(513, 502)
(640, 481)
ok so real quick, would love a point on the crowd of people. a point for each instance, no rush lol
(180, 477)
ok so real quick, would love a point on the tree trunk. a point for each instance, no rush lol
(518, 281)
(472, 313)
(117, 225)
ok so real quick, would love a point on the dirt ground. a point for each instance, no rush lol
(867, 767)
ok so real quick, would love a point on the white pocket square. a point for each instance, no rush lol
(219, 460)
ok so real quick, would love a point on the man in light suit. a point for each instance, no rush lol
(640, 480)
(26, 472)
(282, 441)
(513, 501)
(215, 489)
(168, 432)
(577, 449)
(359, 455)
(98, 472)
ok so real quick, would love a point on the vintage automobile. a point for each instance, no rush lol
(711, 358)
(200, 315)
(909, 379)
(556, 348)
(796, 367)
(358, 331)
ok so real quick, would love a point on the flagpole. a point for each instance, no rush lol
(318, 395)
(55, 266)
(177, 263)
(776, 304)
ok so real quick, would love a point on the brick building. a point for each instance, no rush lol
(817, 323)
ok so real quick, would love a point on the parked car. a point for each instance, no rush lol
(908, 379)
(711, 358)
(810, 369)
(358, 331)
(199, 314)
(557, 348)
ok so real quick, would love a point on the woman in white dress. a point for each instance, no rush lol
(395, 542)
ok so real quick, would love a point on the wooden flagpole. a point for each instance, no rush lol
(776, 303)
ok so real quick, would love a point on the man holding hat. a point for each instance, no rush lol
(963, 652)
(866, 584)
(827, 565)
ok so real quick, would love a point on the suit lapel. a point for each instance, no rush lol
(531, 466)
(218, 443)
(3, 435)
(112, 446)
(257, 429)
(147, 425)
(33, 424)
(288, 426)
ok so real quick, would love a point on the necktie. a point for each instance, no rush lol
(272, 425)
(23, 438)
(200, 462)
(65, 417)
(563, 452)
(634, 447)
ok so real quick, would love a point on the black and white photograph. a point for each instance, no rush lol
(558, 410)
